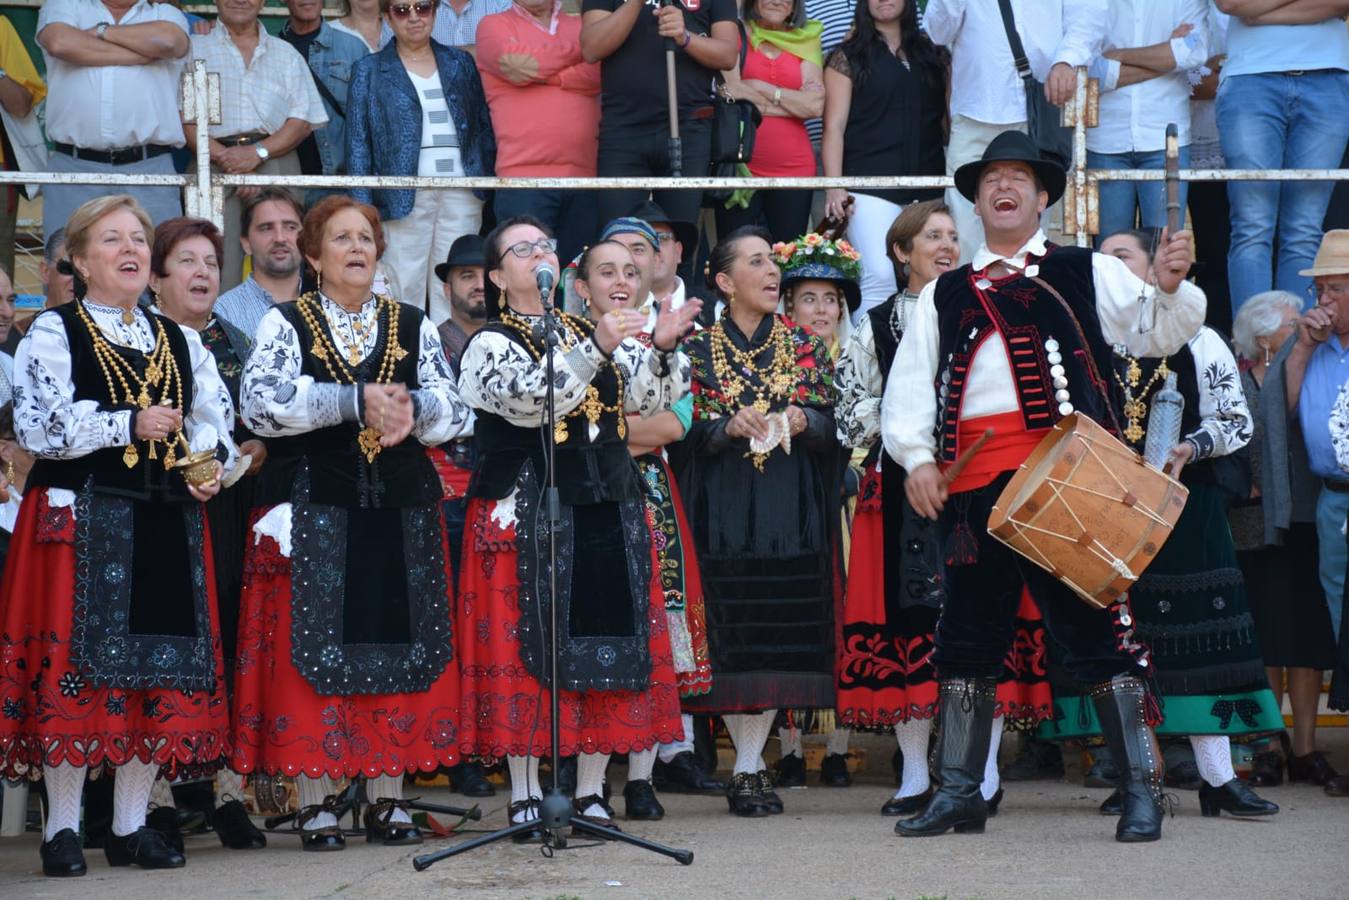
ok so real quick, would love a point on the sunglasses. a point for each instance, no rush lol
(423, 9)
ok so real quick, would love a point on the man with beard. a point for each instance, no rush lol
(270, 231)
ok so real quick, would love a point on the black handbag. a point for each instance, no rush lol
(734, 124)
(1044, 120)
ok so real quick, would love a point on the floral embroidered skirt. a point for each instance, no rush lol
(885, 670)
(506, 709)
(283, 725)
(51, 709)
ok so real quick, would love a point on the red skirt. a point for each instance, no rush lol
(282, 725)
(506, 709)
(50, 713)
(886, 675)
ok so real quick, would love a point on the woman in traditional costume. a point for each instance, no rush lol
(1190, 604)
(109, 643)
(765, 521)
(345, 647)
(618, 688)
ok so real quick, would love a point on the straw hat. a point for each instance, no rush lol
(1332, 257)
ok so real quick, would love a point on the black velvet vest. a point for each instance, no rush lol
(588, 471)
(105, 467)
(339, 475)
(1027, 316)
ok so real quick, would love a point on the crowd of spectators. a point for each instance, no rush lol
(864, 88)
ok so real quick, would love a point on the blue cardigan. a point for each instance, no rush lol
(384, 122)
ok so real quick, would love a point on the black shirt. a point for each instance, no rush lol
(308, 151)
(632, 79)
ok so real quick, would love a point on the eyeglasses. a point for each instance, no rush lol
(665, 237)
(525, 248)
(423, 9)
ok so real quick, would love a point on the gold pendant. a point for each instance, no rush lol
(398, 353)
(761, 405)
(152, 374)
(622, 426)
(353, 357)
(1135, 409)
(143, 400)
(368, 441)
(131, 456)
(170, 457)
(128, 317)
(560, 434)
(1134, 374)
(319, 352)
(151, 448)
(1133, 432)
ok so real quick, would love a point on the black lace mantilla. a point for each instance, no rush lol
(585, 663)
(318, 588)
(102, 643)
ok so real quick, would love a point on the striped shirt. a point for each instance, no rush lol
(836, 16)
(440, 141)
(461, 29)
(244, 306)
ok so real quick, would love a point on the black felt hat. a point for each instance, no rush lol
(685, 232)
(1012, 146)
(465, 251)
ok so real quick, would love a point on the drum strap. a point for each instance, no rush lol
(1082, 338)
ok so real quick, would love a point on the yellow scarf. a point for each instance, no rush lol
(803, 43)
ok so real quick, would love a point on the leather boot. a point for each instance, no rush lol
(966, 728)
(1120, 705)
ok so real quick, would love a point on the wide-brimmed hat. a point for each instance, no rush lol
(465, 251)
(1012, 146)
(813, 257)
(1332, 257)
(685, 232)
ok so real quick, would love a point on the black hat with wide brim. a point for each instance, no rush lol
(466, 250)
(685, 232)
(1012, 146)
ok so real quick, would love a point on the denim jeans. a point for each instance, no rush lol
(1331, 509)
(1123, 203)
(1279, 121)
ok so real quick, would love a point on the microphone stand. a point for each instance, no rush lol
(555, 811)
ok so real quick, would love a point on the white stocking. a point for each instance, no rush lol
(131, 785)
(590, 781)
(640, 764)
(311, 792)
(837, 744)
(992, 780)
(524, 772)
(674, 748)
(390, 786)
(1213, 756)
(65, 788)
(789, 740)
(229, 785)
(913, 737)
(753, 735)
(161, 794)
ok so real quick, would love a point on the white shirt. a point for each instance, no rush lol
(1147, 324)
(276, 85)
(984, 83)
(1134, 118)
(112, 107)
(440, 141)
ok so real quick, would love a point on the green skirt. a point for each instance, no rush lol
(1190, 608)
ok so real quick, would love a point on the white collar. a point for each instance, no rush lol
(986, 257)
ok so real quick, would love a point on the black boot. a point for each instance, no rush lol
(1120, 705)
(470, 780)
(966, 728)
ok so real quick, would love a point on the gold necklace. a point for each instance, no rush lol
(770, 385)
(592, 407)
(344, 371)
(161, 368)
(1135, 405)
(355, 352)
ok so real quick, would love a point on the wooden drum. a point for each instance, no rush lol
(1088, 510)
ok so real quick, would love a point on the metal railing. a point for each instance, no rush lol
(204, 188)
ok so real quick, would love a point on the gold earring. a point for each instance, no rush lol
(730, 298)
(9, 471)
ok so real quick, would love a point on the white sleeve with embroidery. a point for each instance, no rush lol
(1144, 320)
(210, 421)
(441, 414)
(655, 380)
(275, 399)
(1225, 424)
(858, 381)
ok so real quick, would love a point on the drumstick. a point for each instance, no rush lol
(959, 465)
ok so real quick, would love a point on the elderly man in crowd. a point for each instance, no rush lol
(457, 21)
(113, 69)
(271, 231)
(58, 281)
(268, 106)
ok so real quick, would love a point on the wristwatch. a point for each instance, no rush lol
(777, 96)
(263, 153)
(101, 30)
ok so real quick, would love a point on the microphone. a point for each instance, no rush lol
(545, 278)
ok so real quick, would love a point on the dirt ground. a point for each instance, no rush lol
(1047, 842)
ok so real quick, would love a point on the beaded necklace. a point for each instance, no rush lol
(592, 407)
(161, 371)
(342, 369)
(770, 385)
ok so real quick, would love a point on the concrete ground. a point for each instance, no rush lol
(1047, 842)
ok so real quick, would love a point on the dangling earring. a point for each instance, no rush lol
(9, 471)
(1267, 355)
(318, 277)
(730, 298)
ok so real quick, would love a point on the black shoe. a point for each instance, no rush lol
(767, 796)
(1103, 773)
(1112, 805)
(145, 847)
(327, 839)
(517, 808)
(744, 796)
(906, 806)
(1312, 767)
(834, 771)
(581, 804)
(1266, 769)
(1119, 705)
(640, 803)
(1036, 760)
(470, 780)
(1233, 798)
(791, 771)
(994, 802)
(62, 856)
(966, 727)
(165, 819)
(380, 825)
(685, 775)
(235, 830)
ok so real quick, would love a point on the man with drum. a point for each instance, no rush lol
(1013, 342)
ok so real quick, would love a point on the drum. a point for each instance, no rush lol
(1088, 510)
